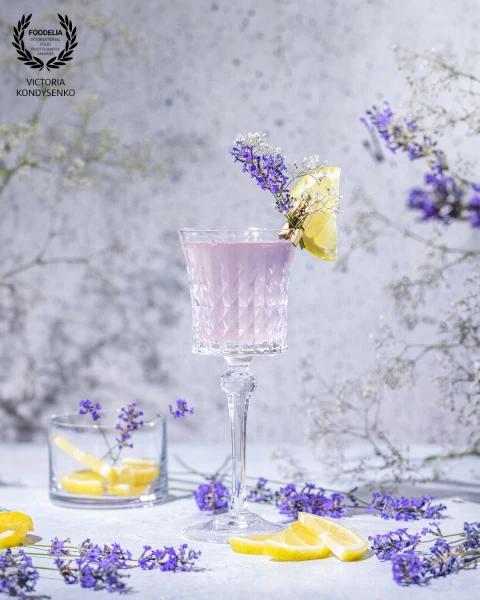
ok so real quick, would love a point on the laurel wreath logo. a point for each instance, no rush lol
(56, 61)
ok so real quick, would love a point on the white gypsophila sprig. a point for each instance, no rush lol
(258, 141)
(443, 88)
(308, 166)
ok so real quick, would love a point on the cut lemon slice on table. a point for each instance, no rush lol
(93, 463)
(13, 537)
(137, 472)
(289, 545)
(87, 483)
(346, 544)
(253, 544)
(14, 527)
(320, 235)
(13, 518)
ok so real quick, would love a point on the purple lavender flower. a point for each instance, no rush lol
(472, 535)
(403, 509)
(260, 493)
(266, 166)
(168, 559)
(97, 575)
(57, 546)
(97, 568)
(90, 407)
(441, 201)
(310, 499)
(407, 568)
(443, 198)
(212, 496)
(474, 205)
(386, 545)
(181, 410)
(397, 133)
(130, 415)
(18, 576)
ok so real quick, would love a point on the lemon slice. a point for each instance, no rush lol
(137, 472)
(320, 236)
(253, 544)
(13, 537)
(87, 483)
(346, 544)
(14, 527)
(288, 545)
(93, 463)
(9, 520)
(125, 489)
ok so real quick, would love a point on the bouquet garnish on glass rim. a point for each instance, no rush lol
(311, 207)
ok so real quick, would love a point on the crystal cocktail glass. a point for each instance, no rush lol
(238, 285)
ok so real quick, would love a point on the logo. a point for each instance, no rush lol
(47, 38)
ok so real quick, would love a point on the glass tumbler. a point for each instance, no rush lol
(90, 466)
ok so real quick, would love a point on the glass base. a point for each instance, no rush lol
(107, 503)
(231, 524)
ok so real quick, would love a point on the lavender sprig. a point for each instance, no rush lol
(412, 566)
(333, 503)
(181, 410)
(168, 559)
(309, 499)
(403, 509)
(129, 421)
(386, 545)
(130, 415)
(89, 565)
(268, 167)
(443, 198)
(18, 576)
(212, 496)
(58, 546)
(93, 408)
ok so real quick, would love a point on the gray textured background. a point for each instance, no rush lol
(301, 71)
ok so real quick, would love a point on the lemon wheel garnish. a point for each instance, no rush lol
(346, 544)
(292, 545)
(89, 461)
(14, 527)
(320, 235)
(86, 483)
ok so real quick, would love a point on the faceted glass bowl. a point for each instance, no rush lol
(88, 471)
(238, 285)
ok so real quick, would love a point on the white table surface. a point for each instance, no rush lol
(225, 574)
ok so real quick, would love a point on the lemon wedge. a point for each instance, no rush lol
(320, 236)
(292, 546)
(87, 483)
(253, 544)
(14, 527)
(346, 544)
(89, 461)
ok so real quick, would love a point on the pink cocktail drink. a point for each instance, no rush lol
(239, 295)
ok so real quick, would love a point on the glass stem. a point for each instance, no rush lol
(238, 383)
